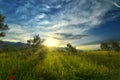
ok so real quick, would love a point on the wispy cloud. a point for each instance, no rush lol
(68, 18)
(65, 36)
(117, 5)
(18, 33)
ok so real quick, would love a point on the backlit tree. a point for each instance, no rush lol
(3, 27)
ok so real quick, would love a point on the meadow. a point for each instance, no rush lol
(40, 64)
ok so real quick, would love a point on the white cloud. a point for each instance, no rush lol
(16, 29)
(77, 16)
(58, 6)
(18, 33)
(86, 14)
(117, 5)
(40, 16)
(23, 9)
(47, 6)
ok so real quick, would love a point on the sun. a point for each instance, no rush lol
(51, 43)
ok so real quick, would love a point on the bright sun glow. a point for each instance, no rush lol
(51, 42)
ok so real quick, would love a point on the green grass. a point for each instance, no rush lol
(92, 65)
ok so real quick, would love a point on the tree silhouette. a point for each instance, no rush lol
(37, 44)
(110, 45)
(36, 41)
(3, 26)
(71, 49)
(114, 45)
(104, 46)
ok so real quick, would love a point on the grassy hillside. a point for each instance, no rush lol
(55, 65)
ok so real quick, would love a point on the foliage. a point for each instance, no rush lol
(110, 45)
(104, 46)
(71, 49)
(114, 45)
(37, 46)
(36, 41)
(3, 26)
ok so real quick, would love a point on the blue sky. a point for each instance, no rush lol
(83, 23)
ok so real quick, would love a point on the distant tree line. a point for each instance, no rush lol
(110, 45)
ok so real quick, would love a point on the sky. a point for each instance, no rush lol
(83, 23)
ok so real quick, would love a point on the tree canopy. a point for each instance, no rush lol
(110, 45)
(36, 41)
(71, 49)
(3, 26)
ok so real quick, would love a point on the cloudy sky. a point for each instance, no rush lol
(83, 23)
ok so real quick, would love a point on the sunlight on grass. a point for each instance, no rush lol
(94, 65)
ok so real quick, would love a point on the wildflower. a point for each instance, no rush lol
(11, 77)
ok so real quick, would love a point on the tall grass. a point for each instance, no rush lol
(27, 65)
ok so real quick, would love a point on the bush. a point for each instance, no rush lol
(71, 49)
(110, 45)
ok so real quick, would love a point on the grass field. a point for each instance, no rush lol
(88, 65)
